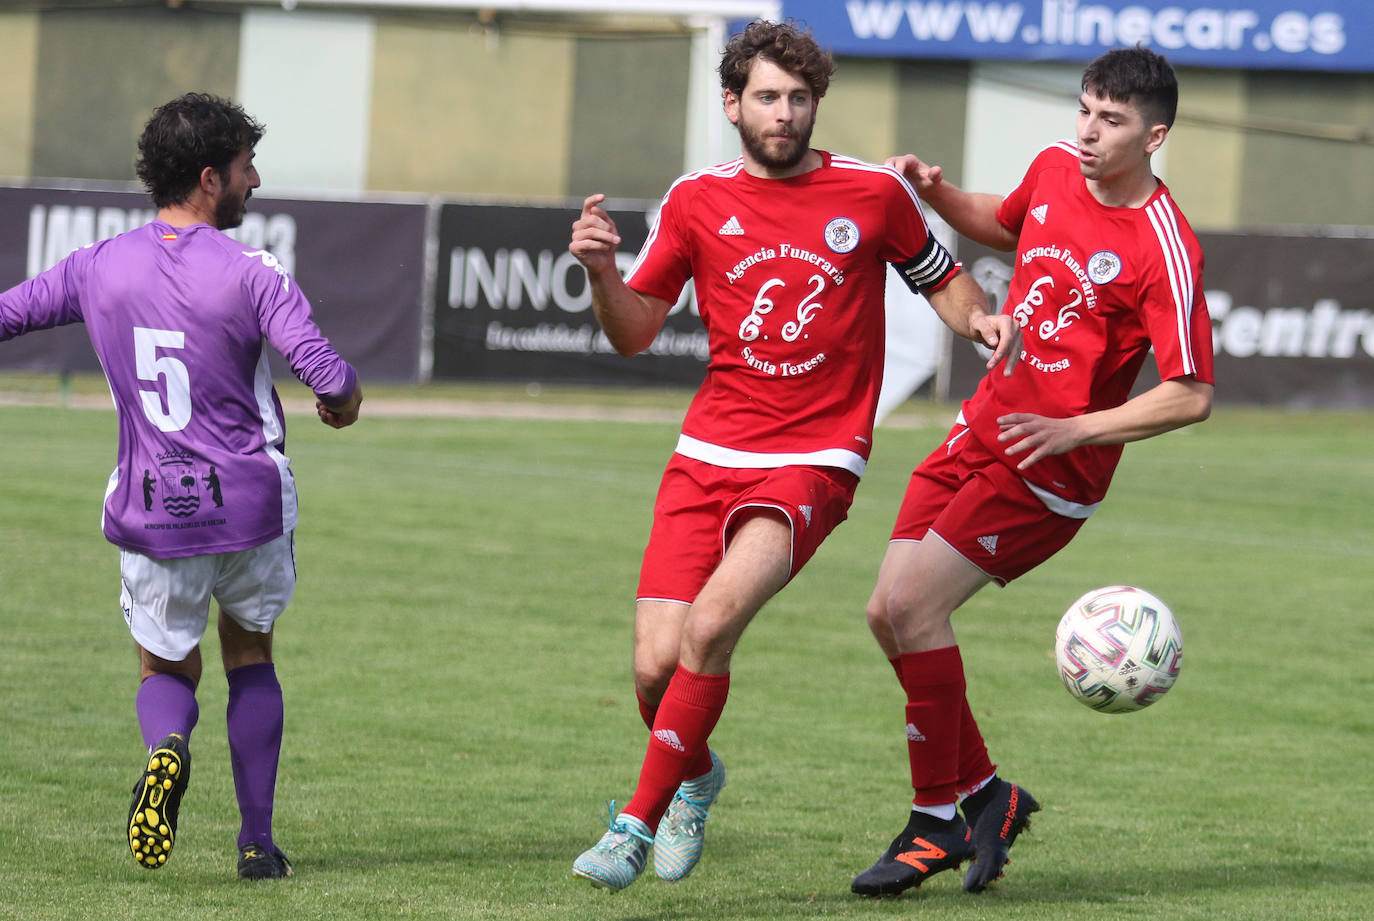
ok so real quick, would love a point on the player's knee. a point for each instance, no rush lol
(876, 613)
(709, 643)
(907, 612)
(652, 677)
(917, 623)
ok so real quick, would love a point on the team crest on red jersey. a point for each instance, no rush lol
(1103, 266)
(842, 235)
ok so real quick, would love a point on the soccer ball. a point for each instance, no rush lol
(1118, 649)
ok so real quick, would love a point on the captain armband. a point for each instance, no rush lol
(929, 269)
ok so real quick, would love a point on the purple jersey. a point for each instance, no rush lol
(177, 318)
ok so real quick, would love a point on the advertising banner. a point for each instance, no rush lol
(359, 263)
(1244, 34)
(1299, 334)
(509, 302)
(512, 303)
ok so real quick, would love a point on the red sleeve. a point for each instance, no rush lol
(924, 262)
(1172, 303)
(664, 263)
(1013, 210)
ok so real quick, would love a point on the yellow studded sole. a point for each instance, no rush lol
(151, 834)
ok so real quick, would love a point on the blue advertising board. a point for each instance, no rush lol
(1335, 35)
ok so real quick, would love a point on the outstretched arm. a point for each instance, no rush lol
(630, 320)
(963, 307)
(971, 214)
(1172, 404)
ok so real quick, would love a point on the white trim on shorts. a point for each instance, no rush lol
(931, 532)
(791, 531)
(725, 526)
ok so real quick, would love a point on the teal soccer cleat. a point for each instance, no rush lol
(682, 834)
(619, 857)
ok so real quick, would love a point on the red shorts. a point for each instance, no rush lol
(982, 508)
(699, 505)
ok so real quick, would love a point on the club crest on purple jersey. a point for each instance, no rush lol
(180, 486)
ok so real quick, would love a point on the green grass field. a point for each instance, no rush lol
(456, 671)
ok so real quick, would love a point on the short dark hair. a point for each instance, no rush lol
(186, 135)
(1137, 75)
(791, 48)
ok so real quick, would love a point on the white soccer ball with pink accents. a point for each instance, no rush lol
(1118, 649)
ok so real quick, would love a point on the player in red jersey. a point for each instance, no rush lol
(788, 247)
(1106, 267)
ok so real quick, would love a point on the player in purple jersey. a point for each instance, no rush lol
(201, 502)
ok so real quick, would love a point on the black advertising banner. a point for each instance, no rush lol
(1292, 319)
(511, 303)
(359, 263)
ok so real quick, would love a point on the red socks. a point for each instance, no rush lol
(700, 765)
(943, 741)
(974, 764)
(677, 743)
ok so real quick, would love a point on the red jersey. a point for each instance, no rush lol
(1093, 289)
(789, 280)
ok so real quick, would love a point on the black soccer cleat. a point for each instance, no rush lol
(925, 847)
(157, 802)
(996, 823)
(256, 862)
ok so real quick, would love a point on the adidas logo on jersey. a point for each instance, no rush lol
(1039, 212)
(806, 513)
(989, 543)
(670, 739)
(731, 228)
(913, 734)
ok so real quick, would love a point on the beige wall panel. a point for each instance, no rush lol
(858, 115)
(1292, 179)
(628, 129)
(1207, 149)
(101, 73)
(932, 113)
(455, 112)
(18, 75)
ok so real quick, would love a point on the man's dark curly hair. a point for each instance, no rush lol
(1136, 75)
(186, 135)
(789, 47)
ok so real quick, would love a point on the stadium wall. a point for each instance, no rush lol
(516, 105)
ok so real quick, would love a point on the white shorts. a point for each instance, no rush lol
(167, 602)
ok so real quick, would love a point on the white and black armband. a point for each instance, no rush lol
(928, 268)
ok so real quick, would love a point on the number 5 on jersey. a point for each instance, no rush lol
(176, 381)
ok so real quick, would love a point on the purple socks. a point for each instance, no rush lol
(254, 717)
(166, 704)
